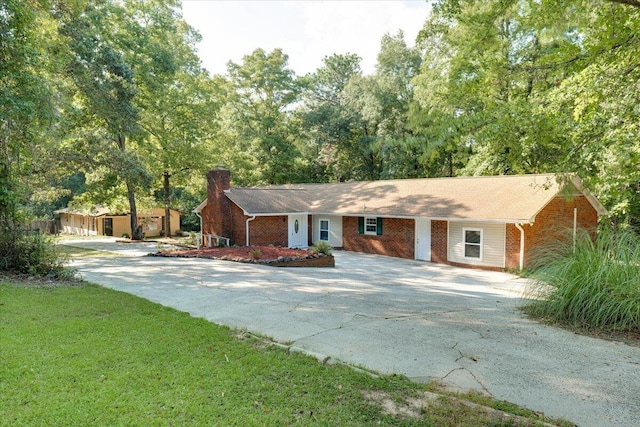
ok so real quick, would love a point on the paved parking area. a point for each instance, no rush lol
(418, 319)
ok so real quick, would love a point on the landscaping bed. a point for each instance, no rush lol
(268, 255)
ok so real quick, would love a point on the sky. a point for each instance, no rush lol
(306, 31)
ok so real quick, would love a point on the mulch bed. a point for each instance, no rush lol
(268, 255)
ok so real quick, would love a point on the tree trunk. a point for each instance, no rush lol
(136, 230)
(167, 201)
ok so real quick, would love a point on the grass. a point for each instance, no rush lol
(77, 252)
(594, 285)
(80, 237)
(81, 354)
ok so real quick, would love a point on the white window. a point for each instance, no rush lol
(324, 230)
(370, 225)
(472, 243)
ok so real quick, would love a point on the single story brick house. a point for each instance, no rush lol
(99, 221)
(493, 222)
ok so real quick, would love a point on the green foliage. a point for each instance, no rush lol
(27, 103)
(259, 93)
(327, 123)
(321, 247)
(594, 285)
(255, 253)
(30, 252)
(114, 91)
(523, 86)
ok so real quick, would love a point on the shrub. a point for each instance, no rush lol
(255, 253)
(192, 240)
(30, 252)
(125, 235)
(321, 247)
(591, 284)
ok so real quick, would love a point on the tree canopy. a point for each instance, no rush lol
(107, 102)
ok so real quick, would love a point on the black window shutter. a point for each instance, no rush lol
(360, 225)
(379, 226)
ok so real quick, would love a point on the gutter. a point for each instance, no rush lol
(519, 227)
(247, 228)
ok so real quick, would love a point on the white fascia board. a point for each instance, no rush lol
(453, 219)
(577, 182)
(201, 206)
(276, 213)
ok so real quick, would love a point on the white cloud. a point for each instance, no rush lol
(307, 31)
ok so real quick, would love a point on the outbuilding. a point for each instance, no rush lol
(100, 221)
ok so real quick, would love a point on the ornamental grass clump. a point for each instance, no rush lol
(591, 284)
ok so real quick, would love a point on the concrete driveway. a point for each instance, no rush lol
(425, 321)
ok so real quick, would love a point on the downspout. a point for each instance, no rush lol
(519, 227)
(247, 228)
(199, 242)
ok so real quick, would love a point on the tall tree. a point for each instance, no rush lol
(27, 102)
(525, 86)
(262, 91)
(106, 85)
(326, 122)
(398, 147)
(176, 98)
(484, 78)
(596, 110)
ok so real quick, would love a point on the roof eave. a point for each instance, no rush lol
(201, 206)
(600, 209)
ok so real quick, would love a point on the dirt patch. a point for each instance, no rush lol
(269, 255)
(440, 406)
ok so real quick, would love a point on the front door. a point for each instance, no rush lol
(423, 239)
(107, 226)
(298, 231)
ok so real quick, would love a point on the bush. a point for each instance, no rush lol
(255, 253)
(321, 247)
(30, 252)
(594, 285)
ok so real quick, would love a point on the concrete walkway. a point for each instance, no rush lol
(425, 321)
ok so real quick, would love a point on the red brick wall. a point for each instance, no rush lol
(263, 230)
(269, 230)
(239, 226)
(397, 238)
(439, 239)
(554, 225)
(512, 247)
(216, 216)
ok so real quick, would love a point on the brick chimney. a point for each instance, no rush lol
(218, 218)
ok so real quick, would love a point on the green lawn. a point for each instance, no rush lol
(80, 354)
(76, 252)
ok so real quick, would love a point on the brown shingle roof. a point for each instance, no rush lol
(513, 198)
(95, 211)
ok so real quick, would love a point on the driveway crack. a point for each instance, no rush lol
(462, 368)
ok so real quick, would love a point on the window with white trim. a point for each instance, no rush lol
(324, 230)
(472, 243)
(370, 225)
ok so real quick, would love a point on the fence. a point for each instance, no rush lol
(51, 226)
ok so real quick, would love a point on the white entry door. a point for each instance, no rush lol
(298, 231)
(423, 239)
